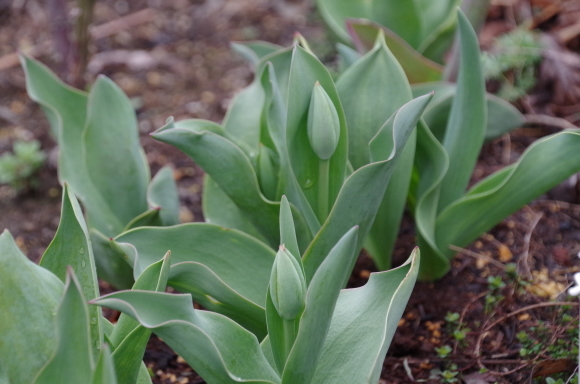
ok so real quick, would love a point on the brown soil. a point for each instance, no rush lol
(189, 71)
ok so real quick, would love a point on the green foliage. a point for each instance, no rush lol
(102, 161)
(18, 168)
(62, 339)
(512, 61)
(443, 351)
(422, 29)
(312, 325)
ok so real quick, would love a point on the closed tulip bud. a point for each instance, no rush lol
(287, 285)
(323, 123)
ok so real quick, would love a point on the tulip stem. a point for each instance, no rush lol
(323, 177)
(290, 333)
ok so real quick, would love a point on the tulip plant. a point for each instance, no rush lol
(101, 159)
(48, 333)
(315, 332)
(437, 162)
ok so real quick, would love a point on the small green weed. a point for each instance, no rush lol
(512, 63)
(17, 168)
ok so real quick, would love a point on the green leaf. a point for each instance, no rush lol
(321, 298)
(417, 67)
(371, 90)
(242, 122)
(162, 194)
(502, 117)
(365, 320)
(129, 339)
(73, 359)
(253, 51)
(218, 349)
(105, 370)
(150, 218)
(218, 208)
(466, 126)
(362, 192)
(348, 56)
(287, 231)
(111, 124)
(545, 164)
(432, 162)
(25, 347)
(84, 125)
(71, 246)
(110, 262)
(220, 259)
(230, 168)
(214, 294)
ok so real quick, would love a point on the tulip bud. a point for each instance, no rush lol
(287, 285)
(323, 123)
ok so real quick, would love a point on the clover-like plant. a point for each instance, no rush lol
(100, 157)
(48, 333)
(315, 332)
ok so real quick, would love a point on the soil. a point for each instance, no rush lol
(178, 63)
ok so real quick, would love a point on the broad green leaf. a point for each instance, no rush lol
(129, 339)
(417, 67)
(219, 208)
(214, 294)
(362, 192)
(403, 18)
(431, 162)
(502, 117)
(105, 370)
(71, 246)
(370, 91)
(149, 218)
(545, 164)
(221, 260)
(306, 70)
(439, 21)
(218, 349)
(162, 194)
(230, 168)
(243, 119)
(335, 12)
(112, 125)
(253, 51)
(29, 292)
(466, 126)
(73, 359)
(110, 262)
(364, 322)
(348, 56)
(94, 150)
(323, 292)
